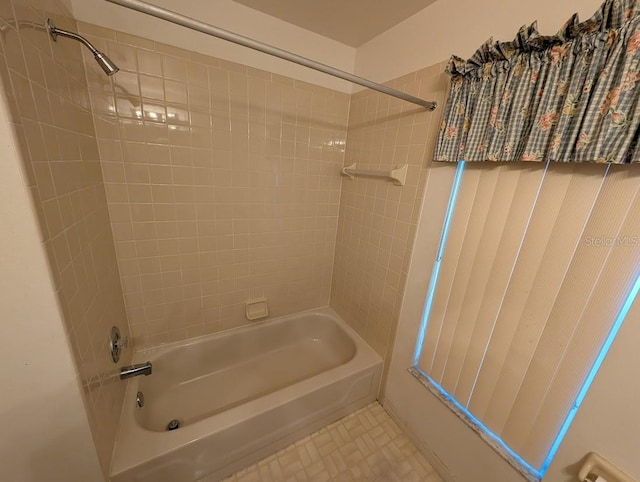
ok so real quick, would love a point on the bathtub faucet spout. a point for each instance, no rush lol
(135, 370)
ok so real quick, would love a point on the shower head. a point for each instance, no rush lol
(105, 63)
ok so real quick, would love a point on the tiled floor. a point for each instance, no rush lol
(364, 446)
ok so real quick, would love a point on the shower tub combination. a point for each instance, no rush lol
(240, 396)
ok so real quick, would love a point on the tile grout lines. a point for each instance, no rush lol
(364, 446)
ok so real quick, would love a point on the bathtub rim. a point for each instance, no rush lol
(136, 446)
(156, 351)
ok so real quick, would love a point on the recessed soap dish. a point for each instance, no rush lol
(256, 309)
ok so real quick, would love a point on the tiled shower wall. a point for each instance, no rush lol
(378, 220)
(223, 185)
(47, 92)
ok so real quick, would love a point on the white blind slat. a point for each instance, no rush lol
(527, 185)
(477, 219)
(586, 266)
(449, 263)
(501, 199)
(549, 274)
(544, 217)
(524, 298)
(621, 270)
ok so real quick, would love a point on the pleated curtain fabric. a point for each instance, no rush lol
(570, 97)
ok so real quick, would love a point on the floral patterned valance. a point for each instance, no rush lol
(570, 97)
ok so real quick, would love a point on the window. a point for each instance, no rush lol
(536, 270)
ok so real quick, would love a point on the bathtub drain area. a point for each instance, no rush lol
(174, 424)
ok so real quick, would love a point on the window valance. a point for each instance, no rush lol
(569, 97)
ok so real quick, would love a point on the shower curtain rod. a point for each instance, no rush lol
(194, 24)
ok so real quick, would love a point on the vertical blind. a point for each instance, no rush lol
(537, 264)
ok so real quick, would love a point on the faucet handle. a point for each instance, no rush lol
(122, 343)
(117, 343)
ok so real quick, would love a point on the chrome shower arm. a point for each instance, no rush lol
(104, 62)
(54, 32)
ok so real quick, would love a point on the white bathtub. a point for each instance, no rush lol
(240, 396)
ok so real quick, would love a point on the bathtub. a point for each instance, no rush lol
(240, 396)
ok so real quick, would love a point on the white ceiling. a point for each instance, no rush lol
(351, 22)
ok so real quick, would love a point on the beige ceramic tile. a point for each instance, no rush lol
(209, 178)
(377, 220)
(217, 182)
(48, 89)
